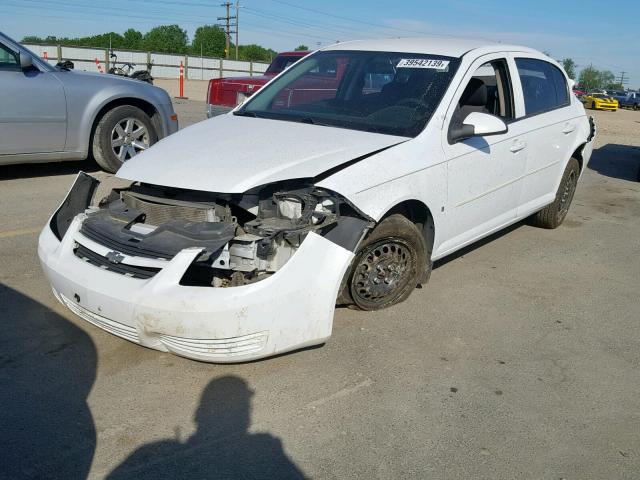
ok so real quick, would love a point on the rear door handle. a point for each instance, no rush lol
(568, 128)
(517, 146)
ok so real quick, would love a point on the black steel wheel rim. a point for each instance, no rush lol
(567, 194)
(383, 272)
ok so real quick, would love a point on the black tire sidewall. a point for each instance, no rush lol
(102, 151)
(393, 227)
(549, 217)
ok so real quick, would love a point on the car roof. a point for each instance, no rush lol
(449, 46)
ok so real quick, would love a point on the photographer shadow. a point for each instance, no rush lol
(221, 448)
(47, 369)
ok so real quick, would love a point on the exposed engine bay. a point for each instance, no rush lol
(244, 237)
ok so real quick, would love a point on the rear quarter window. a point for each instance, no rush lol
(543, 85)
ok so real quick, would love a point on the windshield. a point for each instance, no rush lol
(384, 92)
(282, 62)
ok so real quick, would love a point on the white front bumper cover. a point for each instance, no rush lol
(291, 309)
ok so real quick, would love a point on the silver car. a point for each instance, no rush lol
(51, 114)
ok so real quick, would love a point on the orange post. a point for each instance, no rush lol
(45, 55)
(99, 66)
(181, 82)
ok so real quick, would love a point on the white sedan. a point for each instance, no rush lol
(341, 181)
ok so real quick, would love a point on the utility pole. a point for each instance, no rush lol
(622, 80)
(237, 24)
(227, 26)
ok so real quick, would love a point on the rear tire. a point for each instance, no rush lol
(554, 214)
(593, 105)
(121, 134)
(388, 265)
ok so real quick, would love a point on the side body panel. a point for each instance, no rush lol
(33, 113)
(485, 175)
(88, 93)
(554, 136)
(418, 170)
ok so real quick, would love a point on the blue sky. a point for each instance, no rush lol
(607, 35)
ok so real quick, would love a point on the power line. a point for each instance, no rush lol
(348, 19)
(299, 23)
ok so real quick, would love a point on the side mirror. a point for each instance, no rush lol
(26, 62)
(478, 124)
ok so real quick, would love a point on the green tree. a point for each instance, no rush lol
(132, 39)
(606, 78)
(166, 38)
(255, 52)
(302, 48)
(589, 78)
(211, 38)
(569, 67)
(32, 39)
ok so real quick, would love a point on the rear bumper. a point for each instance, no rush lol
(289, 310)
(215, 110)
(587, 150)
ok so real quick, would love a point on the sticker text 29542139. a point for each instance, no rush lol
(423, 63)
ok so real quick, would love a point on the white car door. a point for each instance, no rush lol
(552, 127)
(33, 110)
(484, 172)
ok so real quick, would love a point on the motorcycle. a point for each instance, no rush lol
(127, 69)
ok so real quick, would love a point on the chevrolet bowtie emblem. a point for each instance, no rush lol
(115, 257)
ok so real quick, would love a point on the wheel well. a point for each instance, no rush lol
(143, 105)
(578, 155)
(420, 215)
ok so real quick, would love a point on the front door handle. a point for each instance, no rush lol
(517, 146)
(568, 128)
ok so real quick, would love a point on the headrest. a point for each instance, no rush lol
(475, 94)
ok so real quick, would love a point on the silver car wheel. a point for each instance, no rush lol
(128, 138)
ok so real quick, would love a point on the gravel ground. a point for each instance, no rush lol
(520, 359)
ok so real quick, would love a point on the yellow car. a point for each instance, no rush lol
(600, 101)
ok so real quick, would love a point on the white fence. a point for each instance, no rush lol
(164, 65)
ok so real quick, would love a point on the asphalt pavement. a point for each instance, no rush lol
(519, 359)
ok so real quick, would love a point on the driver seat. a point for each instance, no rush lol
(473, 99)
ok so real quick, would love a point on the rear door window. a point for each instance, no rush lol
(543, 85)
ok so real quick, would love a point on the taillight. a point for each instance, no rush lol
(214, 92)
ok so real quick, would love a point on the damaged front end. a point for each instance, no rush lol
(243, 238)
(210, 276)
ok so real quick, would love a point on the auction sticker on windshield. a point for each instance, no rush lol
(423, 63)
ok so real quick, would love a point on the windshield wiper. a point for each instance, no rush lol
(246, 114)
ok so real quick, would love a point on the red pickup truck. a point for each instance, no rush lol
(225, 93)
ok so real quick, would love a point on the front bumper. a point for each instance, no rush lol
(606, 106)
(289, 310)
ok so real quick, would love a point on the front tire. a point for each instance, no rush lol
(388, 265)
(593, 106)
(121, 134)
(554, 214)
